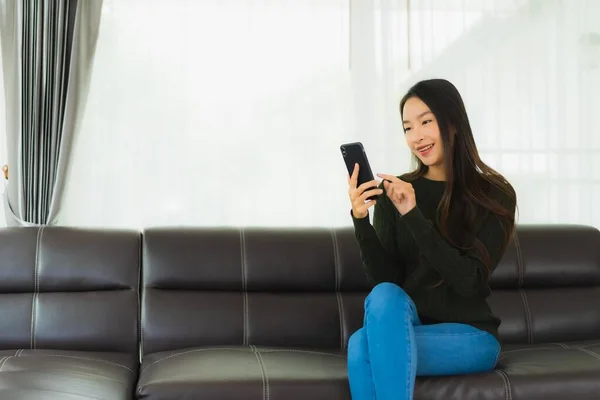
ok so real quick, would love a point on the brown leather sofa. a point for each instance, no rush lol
(265, 314)
(68, 314)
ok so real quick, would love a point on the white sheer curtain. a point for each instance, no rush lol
(3, 155)
(231, 112)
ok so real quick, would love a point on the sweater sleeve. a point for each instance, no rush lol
(379, 265)
(466, 274)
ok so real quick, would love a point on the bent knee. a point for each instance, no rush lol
(387, 296)
(456, 354)
(386, 291)
(481, 358)
(357, 347)
(484, 352)
(491, 355)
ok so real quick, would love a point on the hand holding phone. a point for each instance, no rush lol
(354, 153)
(364, 196)
(362, 184)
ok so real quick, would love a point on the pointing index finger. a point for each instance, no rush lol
(390, 178)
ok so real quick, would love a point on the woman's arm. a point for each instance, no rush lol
(466, 274)
(379, 264)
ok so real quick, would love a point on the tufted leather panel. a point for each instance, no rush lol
(547, 285)
(254, 285)
(69, 289)
(559, 256)
(273, 287)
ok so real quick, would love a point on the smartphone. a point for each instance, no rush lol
(354, 153)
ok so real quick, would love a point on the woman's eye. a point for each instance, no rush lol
(406, 130)
(426, 122)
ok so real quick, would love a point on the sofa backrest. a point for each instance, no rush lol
(201, 287)
(306, 287)
(69, 289)
(547, 286)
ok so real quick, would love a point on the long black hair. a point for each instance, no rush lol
(468, 179)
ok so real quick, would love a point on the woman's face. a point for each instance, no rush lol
(422, 132)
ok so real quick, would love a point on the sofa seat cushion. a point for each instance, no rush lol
(544, 371)
(258, 373)
(66, 375)
(245, 372)
(554, 371)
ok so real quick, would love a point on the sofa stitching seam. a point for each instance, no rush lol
(244, 287)
(521, 281)
(336, 266)
(302, 352)
(4, 360)
(527, 316)
(36, 285)
(590, 352)
(262, 375)
(266, 373)
(265, 381)
(343, 320)
(507, 385)
(139, 299)
(520, 267)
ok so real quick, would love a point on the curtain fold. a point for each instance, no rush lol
(47, 53)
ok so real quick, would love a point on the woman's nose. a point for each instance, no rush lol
(417, 136)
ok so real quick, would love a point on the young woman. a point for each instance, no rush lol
(437, 235)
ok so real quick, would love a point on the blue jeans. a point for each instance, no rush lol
(392, 348)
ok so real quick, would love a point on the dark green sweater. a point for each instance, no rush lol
(409, 251)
